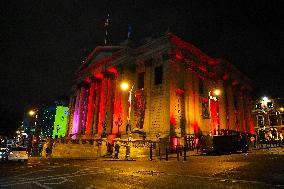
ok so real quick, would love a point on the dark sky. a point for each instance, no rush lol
(44, 42)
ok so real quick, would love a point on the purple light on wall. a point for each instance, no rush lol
(76, 118)
(75, 124)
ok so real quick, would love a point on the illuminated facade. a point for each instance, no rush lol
(47, 119)
(174, 90)
(268, 116)
(59, 129)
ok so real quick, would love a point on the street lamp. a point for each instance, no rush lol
(32, 112)
(33, 131)
(217, 92)
(214, 96)
(125, 87)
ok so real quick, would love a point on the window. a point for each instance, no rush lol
(141, 80)
(260, 121)
(258, 106)
(269, 105)
(158, 75)
(205, 110)
(272, 120)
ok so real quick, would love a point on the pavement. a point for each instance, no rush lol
(173, 156)
(258, 168)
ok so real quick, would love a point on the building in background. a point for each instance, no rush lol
(166, 89)
(48, 117)
(60, 122)
(39, 124)
(268, 116)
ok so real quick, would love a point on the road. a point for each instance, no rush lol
(256, 169)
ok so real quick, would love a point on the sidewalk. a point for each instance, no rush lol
(279, 150)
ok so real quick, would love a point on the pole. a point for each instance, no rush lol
(184, 150)
(177, 148)
(151, 155)
(167, 155)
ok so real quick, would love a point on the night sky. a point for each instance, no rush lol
(44, 42)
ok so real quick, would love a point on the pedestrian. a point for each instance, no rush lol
(116, 150)
(252, 140)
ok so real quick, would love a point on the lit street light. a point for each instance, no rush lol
(32, 112)
(125, 87)
(214, 96)
(217, 92)
(33, 132)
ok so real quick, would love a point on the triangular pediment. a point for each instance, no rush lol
(100, 53)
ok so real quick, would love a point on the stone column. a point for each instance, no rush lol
(240, 107)
(148, 87)
(70, 115)
(231, 108)
(90, 113)
(222, 105)
(75, 121)
(102, 104)
(247, 111)
(97, 98)
(81, 106)
(186, 102)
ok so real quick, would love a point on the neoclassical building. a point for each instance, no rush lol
(171, 90)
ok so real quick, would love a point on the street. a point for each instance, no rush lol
(256, 169)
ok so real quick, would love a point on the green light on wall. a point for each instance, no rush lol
(60, 122)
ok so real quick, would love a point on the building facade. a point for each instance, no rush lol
(173, 90)
(268, 117)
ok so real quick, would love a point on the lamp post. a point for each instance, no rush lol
(125, 87)
(32, 131)
(214, 96)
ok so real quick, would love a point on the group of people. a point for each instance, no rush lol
(116, 149)
(271, 136)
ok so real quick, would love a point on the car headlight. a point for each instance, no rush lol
(11, 152)
(1, 152)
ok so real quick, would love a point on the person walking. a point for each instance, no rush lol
(116, 150)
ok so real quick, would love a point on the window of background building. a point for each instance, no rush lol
(141, 80)
(158, 75)
(260, 121)
(269, 105)
(201, 86)
(258, 106)
(272, 119)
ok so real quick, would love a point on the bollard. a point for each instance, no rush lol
(127, 154)
(184, 150)
(167, 155)
(151, 155)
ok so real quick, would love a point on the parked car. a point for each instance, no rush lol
(3, 154)
(18, 153)
(224, 144)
